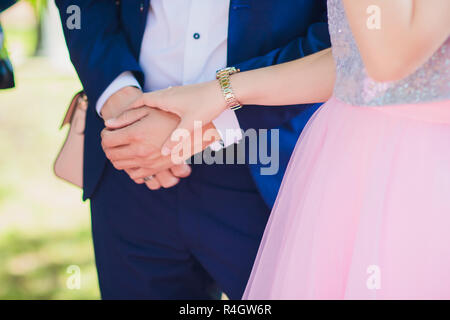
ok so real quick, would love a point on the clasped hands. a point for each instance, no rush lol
(138, 130)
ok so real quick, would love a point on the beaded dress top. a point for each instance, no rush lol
(431, 82)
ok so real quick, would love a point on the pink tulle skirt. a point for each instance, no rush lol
(364, 209)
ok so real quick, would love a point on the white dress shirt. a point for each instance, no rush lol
(185, 42)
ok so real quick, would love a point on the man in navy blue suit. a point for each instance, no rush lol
(185, 232)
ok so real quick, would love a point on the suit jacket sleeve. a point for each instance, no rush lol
(98, 49)
(316, 39)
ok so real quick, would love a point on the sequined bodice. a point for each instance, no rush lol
(431, 82)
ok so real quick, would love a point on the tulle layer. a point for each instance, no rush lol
(364, 209)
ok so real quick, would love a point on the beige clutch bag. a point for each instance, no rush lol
(69, 162)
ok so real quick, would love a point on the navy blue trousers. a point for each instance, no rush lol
(188, 242)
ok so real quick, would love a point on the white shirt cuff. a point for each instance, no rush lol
(227, 124)
(126, 79)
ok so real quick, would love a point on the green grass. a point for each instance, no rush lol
(44, 226)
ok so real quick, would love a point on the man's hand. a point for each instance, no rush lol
(134, 139)
(116, 105)
(194, 103)
(119, 102)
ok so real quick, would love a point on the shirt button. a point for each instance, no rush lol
(196, 36)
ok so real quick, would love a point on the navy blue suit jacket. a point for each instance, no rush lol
(261, 33)
(5, 4)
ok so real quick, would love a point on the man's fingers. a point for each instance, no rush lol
(111, 139)
(153, 184)
(127, 118)
(181, 170)
(128, 164)
(140, 173)
(167, 179)
(129, 172)
(134, 156)
(121, 153)
(182, 133)
(164, 178)
(154, 165)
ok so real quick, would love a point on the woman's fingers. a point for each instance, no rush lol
(149, 99)
(127, 117)
(138, 103)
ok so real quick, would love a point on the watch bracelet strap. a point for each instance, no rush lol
(223, 76)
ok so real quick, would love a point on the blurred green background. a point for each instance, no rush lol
(44, 225)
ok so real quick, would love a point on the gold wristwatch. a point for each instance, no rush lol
(223, 76)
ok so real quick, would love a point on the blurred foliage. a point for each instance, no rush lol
(38, 6)
(26, 32)
(44, 226)
(26, 36)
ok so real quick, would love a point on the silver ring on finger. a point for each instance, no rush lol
(149, 178)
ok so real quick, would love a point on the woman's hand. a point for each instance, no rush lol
(196, 105)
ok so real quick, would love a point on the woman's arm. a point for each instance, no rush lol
(307, 80)
(410, 31)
